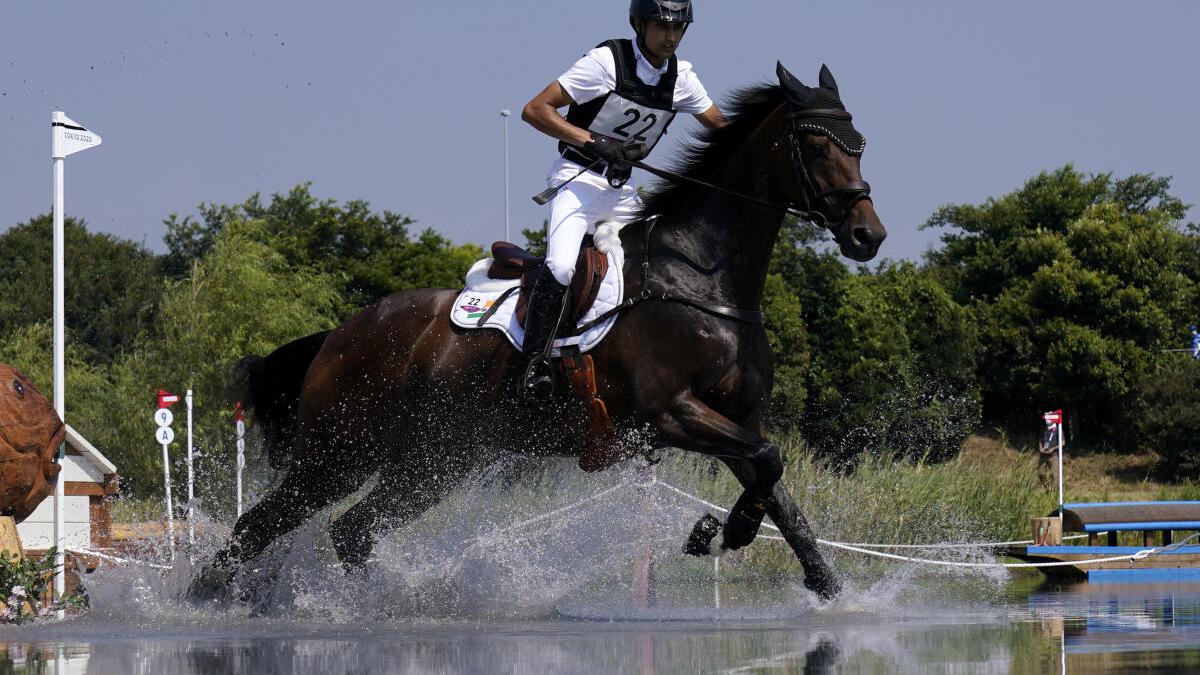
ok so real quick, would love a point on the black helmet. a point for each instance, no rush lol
(671, 11)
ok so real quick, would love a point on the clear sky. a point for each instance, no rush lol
(398, 102)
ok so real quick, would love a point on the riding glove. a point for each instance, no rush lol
(613, 151)
(617, 155)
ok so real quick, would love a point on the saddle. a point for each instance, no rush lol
(510, 261)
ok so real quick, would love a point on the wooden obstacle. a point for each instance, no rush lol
(1153, 520)
(10, 540)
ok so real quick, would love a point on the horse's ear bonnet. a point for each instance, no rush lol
(812, 109)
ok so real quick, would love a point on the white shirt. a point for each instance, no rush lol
(595, 75)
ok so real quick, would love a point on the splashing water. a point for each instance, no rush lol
(524, 540)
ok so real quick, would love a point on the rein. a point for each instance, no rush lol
(797, 121)
(860, 189)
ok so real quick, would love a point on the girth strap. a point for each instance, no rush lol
(723, 311)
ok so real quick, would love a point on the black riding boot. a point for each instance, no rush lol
(547, 304)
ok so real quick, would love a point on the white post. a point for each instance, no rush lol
(241, 461)
(1061, 502)
(66, 138)
(717, 581)
(60, 388)
(170, 506)
(190, 494)
(505, 114)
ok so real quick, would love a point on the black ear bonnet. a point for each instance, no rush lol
(820, 110)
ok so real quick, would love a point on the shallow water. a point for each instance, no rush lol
(486, 584)
(1084, 629)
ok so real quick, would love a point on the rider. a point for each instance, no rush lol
(1195, 343)
(622, 95)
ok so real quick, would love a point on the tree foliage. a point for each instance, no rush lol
(111, 285)
(372, 254)
(1077, 282)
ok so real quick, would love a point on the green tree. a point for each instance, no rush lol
(111, 286)
(1077, 281)
(1166, 419)
(371, 254)
(789, 342)
(893, 368)
(241, 298)
(883, 360)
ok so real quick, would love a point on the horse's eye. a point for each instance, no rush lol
(816, 150)
(18, 387)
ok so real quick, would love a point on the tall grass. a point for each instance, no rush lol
(881, 500)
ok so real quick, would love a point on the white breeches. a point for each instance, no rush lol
(577, 209)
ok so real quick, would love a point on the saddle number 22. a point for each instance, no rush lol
(634, 117)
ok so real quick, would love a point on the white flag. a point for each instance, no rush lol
(69, 137)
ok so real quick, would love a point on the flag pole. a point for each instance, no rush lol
(58, 158)
(1061, 502)
(190, 494)
(66, 138)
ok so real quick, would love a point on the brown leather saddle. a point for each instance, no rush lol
(510, 261)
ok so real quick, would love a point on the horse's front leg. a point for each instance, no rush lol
(758, 466)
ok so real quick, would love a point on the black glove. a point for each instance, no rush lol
(618, 173)
(614, 152)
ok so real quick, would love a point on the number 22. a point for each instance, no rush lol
(634, 116)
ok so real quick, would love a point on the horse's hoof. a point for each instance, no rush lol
(824, 584)
(699, 542)
(742, 528)
(213, 584)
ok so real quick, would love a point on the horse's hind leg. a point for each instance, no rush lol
(395, 501)
(312, 483)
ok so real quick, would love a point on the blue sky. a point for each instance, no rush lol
(398, 103)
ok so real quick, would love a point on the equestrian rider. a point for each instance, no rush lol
(622, 96)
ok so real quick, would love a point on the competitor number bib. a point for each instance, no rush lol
(625, 120)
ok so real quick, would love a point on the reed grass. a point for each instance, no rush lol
(882, 500)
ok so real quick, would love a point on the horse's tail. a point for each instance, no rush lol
(271, 387)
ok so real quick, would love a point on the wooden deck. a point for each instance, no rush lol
(1161, 524)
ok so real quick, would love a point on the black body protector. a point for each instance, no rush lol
(633, 111)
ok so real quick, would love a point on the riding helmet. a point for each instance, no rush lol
(670, 11)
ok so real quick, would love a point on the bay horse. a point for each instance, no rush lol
(400, 390)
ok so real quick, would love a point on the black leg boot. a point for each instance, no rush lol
(547, 305)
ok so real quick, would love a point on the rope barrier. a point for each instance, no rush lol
(951, 563)
(867, 549)
(115, 559)
(548, 514)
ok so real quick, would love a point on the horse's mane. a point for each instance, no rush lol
(709, 148)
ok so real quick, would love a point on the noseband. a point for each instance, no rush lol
(839, 201)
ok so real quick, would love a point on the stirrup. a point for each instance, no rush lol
(538, 383)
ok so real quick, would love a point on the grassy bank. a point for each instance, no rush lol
(988, 493)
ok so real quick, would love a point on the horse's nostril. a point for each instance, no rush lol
(861, 236)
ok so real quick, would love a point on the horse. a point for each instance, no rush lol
(397, 389)
(31, 433)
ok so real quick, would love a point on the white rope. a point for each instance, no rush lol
(950, 563)
(549, 514)
(863, 548)
(992, 544)
(114, 559)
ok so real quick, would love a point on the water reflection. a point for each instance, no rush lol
(1085, 628)
(1105, 627)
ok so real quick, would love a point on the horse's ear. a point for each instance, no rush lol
(796, 91)
(826, 80)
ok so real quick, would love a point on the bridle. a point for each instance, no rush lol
(844, 198)
(841, 199)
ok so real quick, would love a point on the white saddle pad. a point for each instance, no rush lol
(482, 293)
